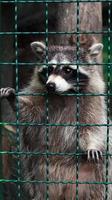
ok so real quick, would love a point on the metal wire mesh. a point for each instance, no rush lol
(107, 63)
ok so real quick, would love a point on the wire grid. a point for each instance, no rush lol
(108, 65)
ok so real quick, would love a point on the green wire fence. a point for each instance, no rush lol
(15, 154)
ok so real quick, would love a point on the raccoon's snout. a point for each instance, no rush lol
(51, 87)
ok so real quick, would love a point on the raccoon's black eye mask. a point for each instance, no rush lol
(45, 73)
(73, 75)
(69, 74)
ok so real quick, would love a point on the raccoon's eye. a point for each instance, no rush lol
(50, 69)
(67, 70)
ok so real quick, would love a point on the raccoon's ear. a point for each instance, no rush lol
(95, 49)
(38, 48)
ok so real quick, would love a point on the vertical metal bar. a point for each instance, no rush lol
(47, 109)
(1, 172)
(17, 103)
(77, 103)
(47, 103)
(108, 100)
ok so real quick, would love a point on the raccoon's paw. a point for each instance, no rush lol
(95, 155)
(7, 92)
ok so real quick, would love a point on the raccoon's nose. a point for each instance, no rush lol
(51, 87)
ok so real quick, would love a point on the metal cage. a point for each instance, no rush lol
(18, 19)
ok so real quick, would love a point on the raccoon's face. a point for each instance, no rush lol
(64, 77)
(62, 74)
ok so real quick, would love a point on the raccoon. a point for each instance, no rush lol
(62, 125)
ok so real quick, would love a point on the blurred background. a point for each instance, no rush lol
(31, 25)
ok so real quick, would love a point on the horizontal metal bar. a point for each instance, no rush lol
(52, 182)
(43, 153)
(64, 94)
(22, 153)
(17, 124)
(53, 1)
(40, 64)
(54, 33)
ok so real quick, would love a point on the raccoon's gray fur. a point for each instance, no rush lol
(62, 109)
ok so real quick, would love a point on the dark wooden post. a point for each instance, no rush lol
(90, 19)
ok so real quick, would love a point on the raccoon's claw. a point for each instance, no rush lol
(6, 92)
(94, 154)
